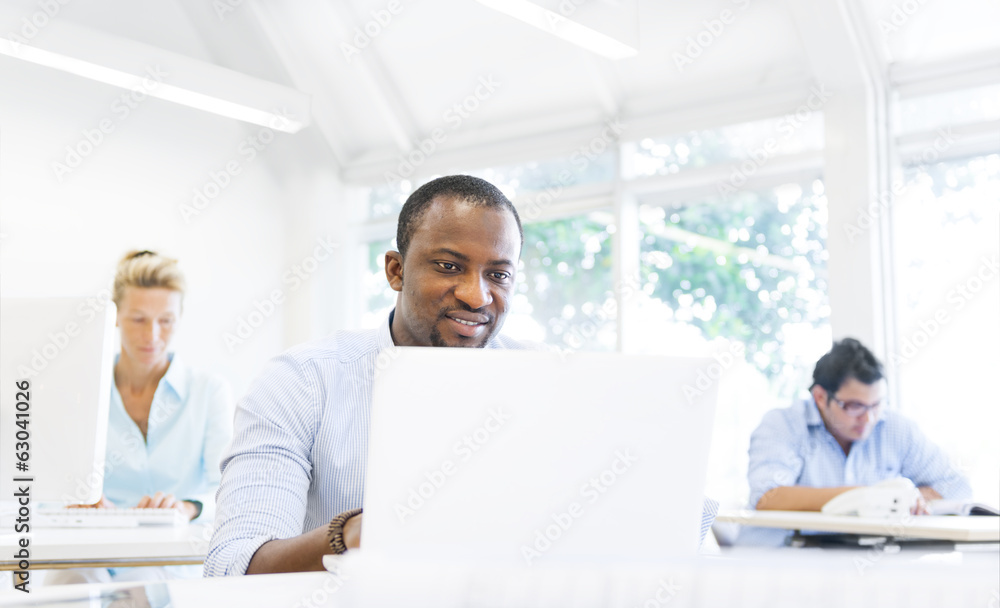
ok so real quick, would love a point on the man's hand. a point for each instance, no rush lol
(352, 532)
(168, 501)
(927, 494)
(799, 498)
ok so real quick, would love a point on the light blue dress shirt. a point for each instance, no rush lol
(190, 425)
(301, 443)
(792, 447)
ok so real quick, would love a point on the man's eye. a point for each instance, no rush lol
(501, 276)
(447, 265)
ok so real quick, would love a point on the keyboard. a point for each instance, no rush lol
(58, 517)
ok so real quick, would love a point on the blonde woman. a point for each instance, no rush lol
(168, 424)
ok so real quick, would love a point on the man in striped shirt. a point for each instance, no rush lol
(293, 479)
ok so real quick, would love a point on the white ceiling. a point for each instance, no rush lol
(374, 106)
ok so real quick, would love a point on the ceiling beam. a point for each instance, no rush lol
(306, 35)
(232, 37)
(838, 47)
(300, 64)
(390, 103)
(563, 133)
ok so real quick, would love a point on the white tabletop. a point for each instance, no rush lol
(73, 547)
(933, 527)
(778, 579)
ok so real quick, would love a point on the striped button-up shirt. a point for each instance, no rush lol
(300, 445)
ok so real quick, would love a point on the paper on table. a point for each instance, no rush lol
(958, 507)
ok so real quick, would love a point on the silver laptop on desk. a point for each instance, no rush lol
(536, 457)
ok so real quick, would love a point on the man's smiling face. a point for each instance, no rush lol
(457, 279)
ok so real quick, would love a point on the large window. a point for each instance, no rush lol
(565, 293)
(587, 165)
(751, 267)
(743, 274)
(379, 297)
(946, 236)
(947, 109)
(756, 142)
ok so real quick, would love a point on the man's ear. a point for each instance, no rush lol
(394, 270)
(819, 394)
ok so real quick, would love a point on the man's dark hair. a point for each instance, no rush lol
(473, 190)
(847, 359)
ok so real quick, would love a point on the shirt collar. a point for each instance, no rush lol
(175, 377)
(383, 337)
(812, 413)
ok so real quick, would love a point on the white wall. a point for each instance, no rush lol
(64, 237)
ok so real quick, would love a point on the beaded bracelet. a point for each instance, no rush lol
(335, 533)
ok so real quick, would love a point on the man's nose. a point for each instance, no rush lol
(474, 292)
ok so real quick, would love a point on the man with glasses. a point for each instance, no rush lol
(842, 438)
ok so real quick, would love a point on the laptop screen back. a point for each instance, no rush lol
(56, 370)
(525, 456)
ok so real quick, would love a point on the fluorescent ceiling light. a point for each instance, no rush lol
(563, 27)
(184, 80)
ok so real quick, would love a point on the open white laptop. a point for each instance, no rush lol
(528, 457)
(56, 370)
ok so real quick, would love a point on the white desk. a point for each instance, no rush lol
(109, 547)
(777, 579)
(939, 527)
(299, 590)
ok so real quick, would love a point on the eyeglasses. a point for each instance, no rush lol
(855, 409)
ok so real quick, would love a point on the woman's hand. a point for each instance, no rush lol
(168, 501)
(103, 503)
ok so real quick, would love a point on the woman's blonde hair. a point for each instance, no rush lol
(146, 269)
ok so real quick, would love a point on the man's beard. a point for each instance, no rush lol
(438, 340)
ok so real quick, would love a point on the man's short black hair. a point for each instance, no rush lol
(473, 190)
(847, 359)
